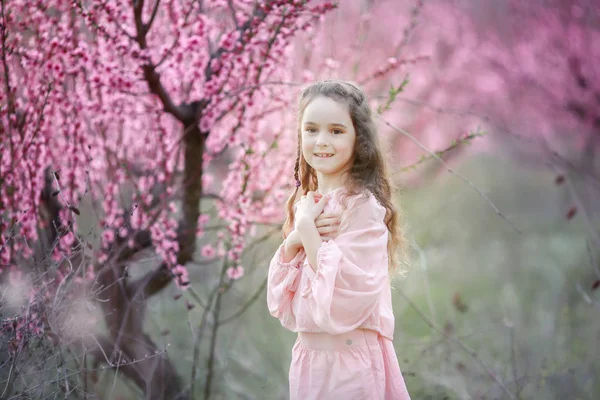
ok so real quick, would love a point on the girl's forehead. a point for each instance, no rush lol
(325, 110)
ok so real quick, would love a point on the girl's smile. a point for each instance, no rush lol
(323, 155)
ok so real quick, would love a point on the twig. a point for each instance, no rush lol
(411, 137)
(200, 333)
(423, 260)
(462, 141)
(12, 364)
(112, 389)
(246, 306)
(235, 21)
(84, 370)
(213, 344)
(585, 296)
(485, 119)
(580, 206)
(593, 261)
(148, 24)
(460, 344)
(513, 359)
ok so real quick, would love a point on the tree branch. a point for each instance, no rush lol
(150, 75)
(148, 25)
(246, 306)
(411, 137)
(256, 13)
(460, 344)
(235, 21)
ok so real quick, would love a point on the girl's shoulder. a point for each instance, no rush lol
(362, 197)
(364, 203)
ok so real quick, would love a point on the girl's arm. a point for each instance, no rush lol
(282, 281)
(311, 240)
(350, 271)
(291, 246)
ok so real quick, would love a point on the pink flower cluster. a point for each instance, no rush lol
(90, 113)
(235, 273)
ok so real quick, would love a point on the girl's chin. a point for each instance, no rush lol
(325, 171)
(324, 161)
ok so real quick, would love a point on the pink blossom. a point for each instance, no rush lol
(208, 251)
(235, 273)
(181, 277)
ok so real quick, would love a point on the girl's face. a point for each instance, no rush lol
(328, 137)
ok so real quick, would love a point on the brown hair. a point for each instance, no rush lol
(369, 170)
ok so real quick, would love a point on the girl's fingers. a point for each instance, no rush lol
(316, 196)
(328, 237)
(321, 203)
(329, 215)
(327, 229)
(326, 221)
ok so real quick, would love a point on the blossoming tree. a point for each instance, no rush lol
(126, 103)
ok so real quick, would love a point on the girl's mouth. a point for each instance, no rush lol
(323, 155)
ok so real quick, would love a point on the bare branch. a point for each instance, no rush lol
(256, 13)
(246, 306)
(235, 21)
(150, 75)
(200, 333)
(411, 137)
(581, 206)
(460, 344)
(148, 25)
(593, 261)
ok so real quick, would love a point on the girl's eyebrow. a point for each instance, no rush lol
(334, 124)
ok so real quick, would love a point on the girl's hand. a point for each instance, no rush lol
(328, 225)
(309, 208)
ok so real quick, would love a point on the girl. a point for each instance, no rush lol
(329, 279)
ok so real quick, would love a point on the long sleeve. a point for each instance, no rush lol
(351, 270)
(282, 282)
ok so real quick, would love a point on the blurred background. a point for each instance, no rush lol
(489, 111)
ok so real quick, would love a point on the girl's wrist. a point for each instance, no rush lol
(290, 249)
(293, 242)
(303, 222)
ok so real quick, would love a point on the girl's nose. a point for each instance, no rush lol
(322, 139)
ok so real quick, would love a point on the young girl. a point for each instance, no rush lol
(329, 279)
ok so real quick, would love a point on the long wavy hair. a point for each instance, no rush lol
(369, 170)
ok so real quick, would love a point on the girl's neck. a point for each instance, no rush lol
(326, 186)
(327, 191)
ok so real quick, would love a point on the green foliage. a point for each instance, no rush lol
(465, 140)
(392, 94)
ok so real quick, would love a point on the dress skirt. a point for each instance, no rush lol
(357, 365)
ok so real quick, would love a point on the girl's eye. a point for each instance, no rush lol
(337, 131)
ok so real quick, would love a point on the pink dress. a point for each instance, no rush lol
(343, 312)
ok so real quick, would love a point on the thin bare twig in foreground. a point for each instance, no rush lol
(411, 137)
(580, 205)
(593, 262)
(460, 344)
